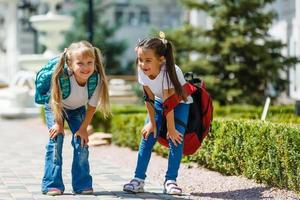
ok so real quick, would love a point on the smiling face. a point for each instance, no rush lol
(149, 62)
(83, 66)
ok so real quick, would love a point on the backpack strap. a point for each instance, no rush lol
(171, 102)
(92, 84)
(65, 84)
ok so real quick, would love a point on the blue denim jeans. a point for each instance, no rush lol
(181, 112)
(81, 178)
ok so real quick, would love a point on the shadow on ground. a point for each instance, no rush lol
(251, 193)
(145, 195)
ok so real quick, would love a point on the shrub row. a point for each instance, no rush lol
(101, 124)
(279, 114)
(266, 152)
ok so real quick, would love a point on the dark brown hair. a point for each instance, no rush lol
(165, 49)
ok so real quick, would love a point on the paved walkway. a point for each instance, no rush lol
(22, 148)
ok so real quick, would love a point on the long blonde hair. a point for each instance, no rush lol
(56, 95)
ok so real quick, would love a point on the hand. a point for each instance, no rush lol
(148, 128)
(83, 134)
(175, 136)
(55, 130)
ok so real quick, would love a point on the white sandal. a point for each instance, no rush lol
(171, 187)
(134, 186)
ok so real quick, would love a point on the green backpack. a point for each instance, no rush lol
(43, 82)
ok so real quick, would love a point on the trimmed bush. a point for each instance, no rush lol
(266, 152)
(101, 124)
(126, 129)
(279, 114)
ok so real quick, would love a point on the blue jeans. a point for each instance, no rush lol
(181, 112)
(81, 178)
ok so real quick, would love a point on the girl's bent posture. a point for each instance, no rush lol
(160, 79)
(77, 86)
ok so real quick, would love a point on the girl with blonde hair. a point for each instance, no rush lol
(78, 86)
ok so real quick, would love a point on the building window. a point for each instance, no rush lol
(119, 16)
(144, 17)
(132, 19)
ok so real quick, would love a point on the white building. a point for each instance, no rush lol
(287, 28)
(8, 38)
(136, 19)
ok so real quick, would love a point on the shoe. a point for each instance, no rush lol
(134, 186)
(54, 192)
(85, 192)
(171, 187)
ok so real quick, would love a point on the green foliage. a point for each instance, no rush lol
(266, 152)
(278, 114)
(103, 34)
(237, 57)
(126, 130)
(138, 90)
(101, 124)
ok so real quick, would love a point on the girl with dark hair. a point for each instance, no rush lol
(160, 79)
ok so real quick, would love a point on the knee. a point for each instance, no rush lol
(54, 150)
(149, 142)
(83, 154)
(175, 148)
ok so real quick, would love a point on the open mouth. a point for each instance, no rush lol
(85, 72)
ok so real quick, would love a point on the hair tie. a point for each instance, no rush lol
(162, 37)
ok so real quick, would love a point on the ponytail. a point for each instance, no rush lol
(104, 95)
(56, 94)
(171, 70)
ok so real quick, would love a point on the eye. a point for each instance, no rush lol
(79, 63)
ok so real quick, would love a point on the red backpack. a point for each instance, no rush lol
(200, 115)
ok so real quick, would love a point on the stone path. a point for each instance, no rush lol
(22, 149)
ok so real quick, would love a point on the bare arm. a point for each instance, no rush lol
(57, 128)
(151, 126)
(88, 117)
(173, 134)
(82, 132)
(149, 106)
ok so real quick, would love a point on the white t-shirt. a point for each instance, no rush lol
(162, 82)
(79, 95)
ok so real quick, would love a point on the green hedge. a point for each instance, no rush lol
(279, 114)
(101, 124)
(266, 152)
